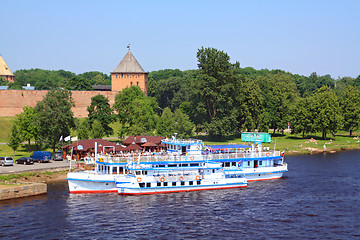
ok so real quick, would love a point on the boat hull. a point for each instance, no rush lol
(82, 182)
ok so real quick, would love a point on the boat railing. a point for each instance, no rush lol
(200, 157)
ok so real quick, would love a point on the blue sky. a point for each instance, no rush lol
(300, 37)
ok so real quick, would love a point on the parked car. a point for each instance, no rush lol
(58, 156)
(24, 160)
(6, 161)
(41, 156)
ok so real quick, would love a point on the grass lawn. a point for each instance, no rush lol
(5, 127)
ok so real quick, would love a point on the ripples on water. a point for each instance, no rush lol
(318, 199)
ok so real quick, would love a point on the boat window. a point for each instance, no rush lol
(249, 163)
(223, 164)
(142, 185)
(198, 182)
(260, 162)
(174, 183)
(233, 164)
(184, 165)
(194, 164)
(159, 184)
(172, 165)
(138, 172)
(114, 170)
(165, 184)
(161, 165)
(182, 183)
(191, 183)
(144, 172)
(121, 170)
(148, 184)
(213, 170)
(227, 164)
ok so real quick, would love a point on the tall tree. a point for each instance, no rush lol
(136, 113)
(165, 124)
(326, 111)
(26, 124)
(351, 109)
(14, 139)
(279, 93)
(54, 116)
(183, 126)
(303, 116)
(100, 109)
(214, 91)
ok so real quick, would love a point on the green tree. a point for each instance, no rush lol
(249, 100)
(326, 111)
(351, 109)
(182, 125)
(213, 91)
(279, 93)
(100, 109)
(84, 129)
(78, 83)
(124, 106)
(165, 124)
(97, 130)
(54, 116)
(26, 124)
(144, 116)
(303, 116)
(14, 139)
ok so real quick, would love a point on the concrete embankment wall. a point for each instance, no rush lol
(12, 101)
(32, 189)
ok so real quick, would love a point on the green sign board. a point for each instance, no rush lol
(255, 136)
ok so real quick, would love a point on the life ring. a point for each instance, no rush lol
(267, 154)
(162, 179)
(192, 158)
(198, 177)
(139, 179)
(181, 178)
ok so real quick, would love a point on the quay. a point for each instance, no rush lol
(11, 191)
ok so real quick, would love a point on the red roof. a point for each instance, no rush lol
(90, 144)
(138, 139)
(133, 146)
(149, 144)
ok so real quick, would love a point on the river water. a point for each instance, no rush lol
(318, 199)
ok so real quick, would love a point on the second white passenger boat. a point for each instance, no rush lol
(209, 176)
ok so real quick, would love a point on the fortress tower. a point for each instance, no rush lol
(129, 73)
(5, 71)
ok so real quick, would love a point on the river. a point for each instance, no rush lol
(318, 199)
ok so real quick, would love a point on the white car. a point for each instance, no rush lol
(6, 161)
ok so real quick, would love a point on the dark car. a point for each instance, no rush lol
(24, 160)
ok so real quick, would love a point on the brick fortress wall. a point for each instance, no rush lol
(12, 101)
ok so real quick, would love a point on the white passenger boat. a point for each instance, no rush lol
(254, 163)
(209, 176)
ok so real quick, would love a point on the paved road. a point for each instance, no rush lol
(36, 166)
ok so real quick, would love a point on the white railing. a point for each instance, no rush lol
(175, 158)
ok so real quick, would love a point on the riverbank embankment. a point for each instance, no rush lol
(17, 185)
